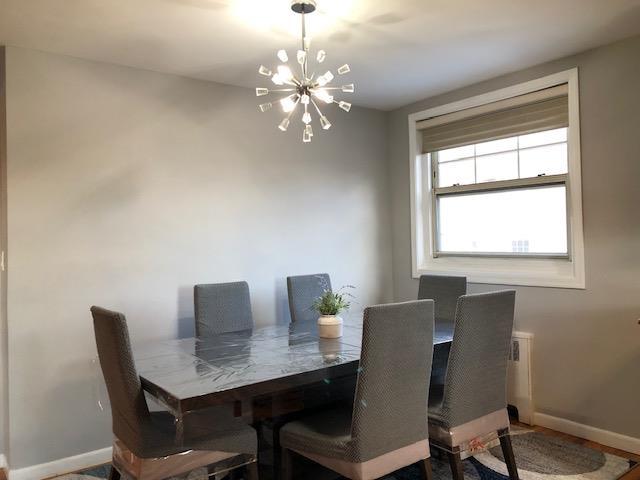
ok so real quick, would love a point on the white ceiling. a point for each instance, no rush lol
(399, 50)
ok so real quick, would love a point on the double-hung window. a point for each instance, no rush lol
(497, 190)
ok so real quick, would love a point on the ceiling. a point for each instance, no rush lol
(399, 50)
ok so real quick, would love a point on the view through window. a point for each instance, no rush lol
(503, 197)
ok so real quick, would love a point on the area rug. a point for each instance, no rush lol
(539, 457)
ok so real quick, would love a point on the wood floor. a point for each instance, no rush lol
(633, 474)
(582, 441)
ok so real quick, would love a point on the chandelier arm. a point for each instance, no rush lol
(316, 105)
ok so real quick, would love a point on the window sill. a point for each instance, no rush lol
(535, 272)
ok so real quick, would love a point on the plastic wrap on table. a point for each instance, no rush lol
(189, 465)
(195, 367)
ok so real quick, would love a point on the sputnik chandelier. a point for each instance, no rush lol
(305, 89)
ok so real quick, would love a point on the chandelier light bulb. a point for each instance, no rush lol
(304, 87)
(285, 73)
(307, 134)
(264, 71)
(324, 121)
(282, 55)
(323, 95)
(288, 105)
(346, 106)
(284, 125)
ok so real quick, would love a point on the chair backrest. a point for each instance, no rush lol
(129, 409)
(445, 291)
(390, 406)
(476, 379)
(222, 307)
(303, 291)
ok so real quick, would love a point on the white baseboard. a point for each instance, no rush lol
(3, 462)
(64, 465)
(604, 437)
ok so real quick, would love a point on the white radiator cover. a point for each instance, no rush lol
(519, 388)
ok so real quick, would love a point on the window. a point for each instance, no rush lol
(496, 189)
(502, 197)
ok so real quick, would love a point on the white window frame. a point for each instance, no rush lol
(531, 271)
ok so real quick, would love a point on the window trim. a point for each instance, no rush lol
(534, 270)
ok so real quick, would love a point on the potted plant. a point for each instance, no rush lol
(329, 305)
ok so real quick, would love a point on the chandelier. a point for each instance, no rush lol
(304, 89)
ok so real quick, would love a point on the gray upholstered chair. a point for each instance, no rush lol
(303, 291)
(444, 291)
(386, 427)
(222, 308)
(145, 444)
(469, 412)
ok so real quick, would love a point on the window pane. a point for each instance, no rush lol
(496, 146)
(543, 138)
(461, 172)
(499, 166)
(531, 220)
(550, 160)
(455, 153)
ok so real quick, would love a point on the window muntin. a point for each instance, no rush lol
(505, 197)
(523, 156)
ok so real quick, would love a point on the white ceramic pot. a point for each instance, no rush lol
(329, 326)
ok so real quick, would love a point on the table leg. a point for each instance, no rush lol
(179, 428)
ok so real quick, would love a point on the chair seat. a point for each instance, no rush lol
(206, 430)
(474, 434)
(160, 468)
(326, 439)
(326, 433)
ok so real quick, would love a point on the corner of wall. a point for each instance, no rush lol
(391, 288)
(4, 414)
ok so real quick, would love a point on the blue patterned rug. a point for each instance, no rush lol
(539, 457)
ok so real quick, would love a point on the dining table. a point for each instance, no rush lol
(189, 374)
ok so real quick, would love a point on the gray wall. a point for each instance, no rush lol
(127, 187)
(586, 356)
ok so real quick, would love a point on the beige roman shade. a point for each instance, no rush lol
(534, 112)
